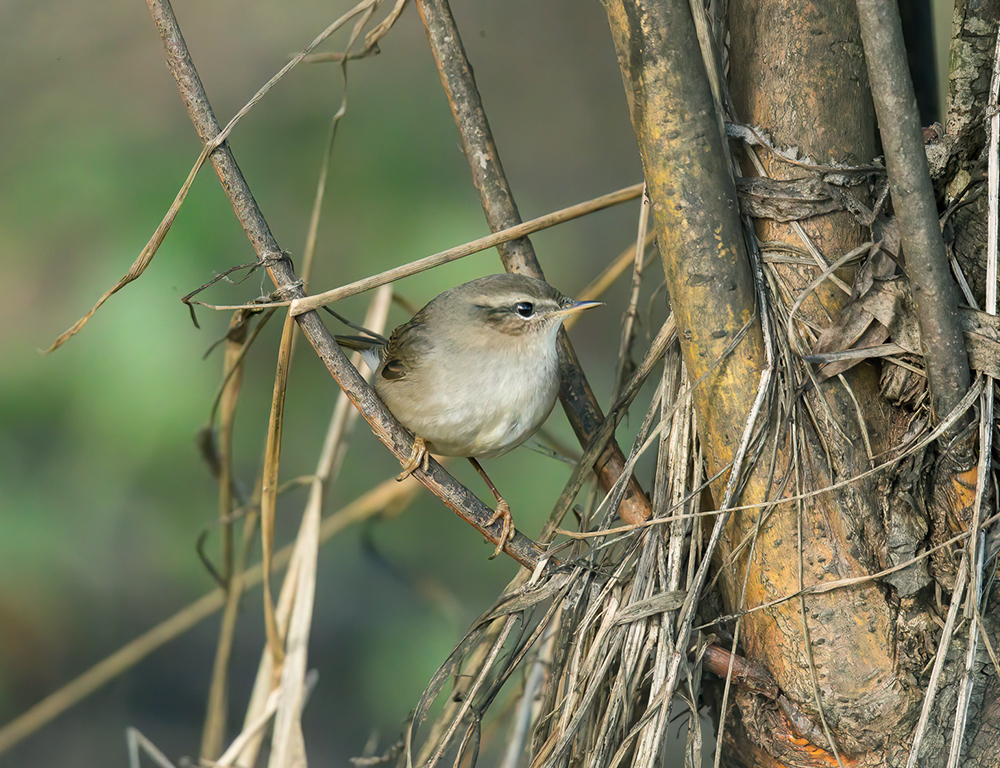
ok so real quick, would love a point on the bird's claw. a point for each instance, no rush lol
(419, 457)
(502, 511)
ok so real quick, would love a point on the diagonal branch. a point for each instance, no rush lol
(577, 397)
(316, 300)
(383, 424)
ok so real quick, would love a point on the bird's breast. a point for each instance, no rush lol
(481, 410)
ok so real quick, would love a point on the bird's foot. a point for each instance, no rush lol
(502, 511)
(419, 457)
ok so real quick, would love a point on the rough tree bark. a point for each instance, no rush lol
(853, 660)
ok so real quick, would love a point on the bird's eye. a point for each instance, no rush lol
(525, 308)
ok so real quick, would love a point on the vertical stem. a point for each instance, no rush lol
(934, 292)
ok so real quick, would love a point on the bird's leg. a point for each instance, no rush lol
(503, 510)
(419, 457)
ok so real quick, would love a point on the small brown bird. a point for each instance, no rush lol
(475, 372)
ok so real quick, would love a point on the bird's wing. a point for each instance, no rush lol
(394, 355)
(407, 347)
(372, 349)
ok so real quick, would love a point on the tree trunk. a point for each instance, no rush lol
(851, 663)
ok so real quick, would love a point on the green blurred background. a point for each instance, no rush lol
(102, 492)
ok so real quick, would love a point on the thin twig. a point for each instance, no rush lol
(307, 303)
(631, 311)
(294, 610)
(286, 739)
(250, 732)
(508, 625)
(967, 679)
(269, 485)
(213, 731)
(136, 742)
(287, 745)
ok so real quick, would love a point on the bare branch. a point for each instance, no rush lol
(314, 301)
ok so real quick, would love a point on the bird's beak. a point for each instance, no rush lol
(577, 306)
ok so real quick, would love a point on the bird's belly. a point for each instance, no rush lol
(475, 415)
(482, 435)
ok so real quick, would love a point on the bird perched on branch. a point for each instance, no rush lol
(474, 373)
